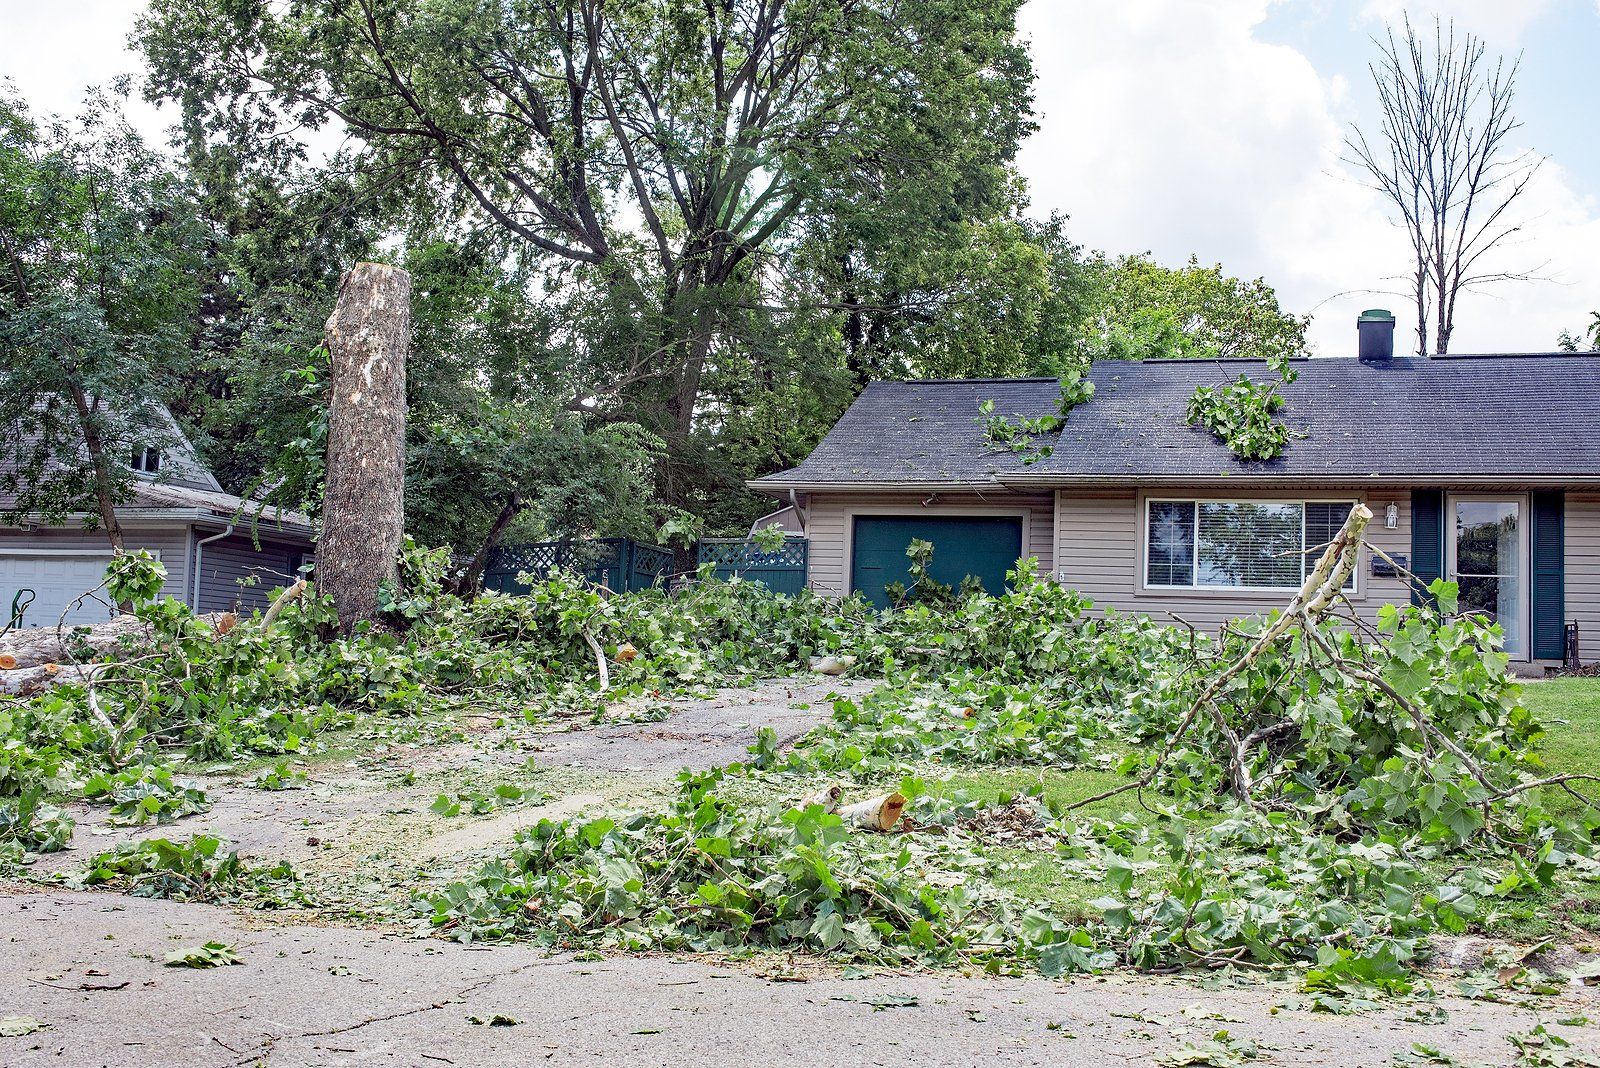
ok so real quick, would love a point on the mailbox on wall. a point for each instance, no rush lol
(1382, 568)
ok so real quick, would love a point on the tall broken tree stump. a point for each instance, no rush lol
(364, 502)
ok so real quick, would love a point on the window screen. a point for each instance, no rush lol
(1323, 520)
(1251, 545)
(1170, 546)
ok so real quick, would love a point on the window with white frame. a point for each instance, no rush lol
(1246, 545)
(146, 459)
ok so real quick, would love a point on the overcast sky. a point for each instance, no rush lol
(1211, 127)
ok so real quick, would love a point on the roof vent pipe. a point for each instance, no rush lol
(1375, 336)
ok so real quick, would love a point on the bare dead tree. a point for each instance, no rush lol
(1443, 159)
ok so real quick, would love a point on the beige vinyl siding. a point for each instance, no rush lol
(1582, 543)
(170, 542)
(1100, 546)
(828, 519)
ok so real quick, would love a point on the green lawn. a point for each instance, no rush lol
(1570, 711)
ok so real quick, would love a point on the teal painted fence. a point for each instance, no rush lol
(619, 564)
(781, 570)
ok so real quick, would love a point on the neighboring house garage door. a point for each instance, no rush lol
(985, 547)
(56, 579)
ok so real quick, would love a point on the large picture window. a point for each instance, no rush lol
(1248, 545)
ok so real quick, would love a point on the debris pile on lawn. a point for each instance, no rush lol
(1021, 822)
(1312, 790)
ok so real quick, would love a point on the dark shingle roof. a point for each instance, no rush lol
(1465, 417)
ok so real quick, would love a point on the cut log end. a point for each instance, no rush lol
(875, 813)
(828, 797)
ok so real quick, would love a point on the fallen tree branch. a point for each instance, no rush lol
(1320, 591)
(291, 593)
(599, 659)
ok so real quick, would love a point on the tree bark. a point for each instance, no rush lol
(467, 581)
(31, 647)
(363, 517)
(105, 493)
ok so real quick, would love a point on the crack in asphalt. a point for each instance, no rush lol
(265, 1047)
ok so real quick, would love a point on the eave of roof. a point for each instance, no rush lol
(205, 517)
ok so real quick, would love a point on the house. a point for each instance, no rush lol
(207, 539)
(1485, 469)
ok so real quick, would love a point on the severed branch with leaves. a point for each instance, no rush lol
(1255, 708)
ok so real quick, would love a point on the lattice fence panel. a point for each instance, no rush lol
(783, 570)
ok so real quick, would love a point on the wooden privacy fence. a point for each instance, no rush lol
(781, 570)
(619, 564)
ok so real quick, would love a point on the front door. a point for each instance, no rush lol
(1488, 557)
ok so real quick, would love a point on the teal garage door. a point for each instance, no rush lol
(983, 546)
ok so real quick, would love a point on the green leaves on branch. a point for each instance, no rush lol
(145, 794)
(202, 869)
(30, 824)
(1240, 414)
(135, 577)
(1021, 434)
(711, 875)
(1388, 773)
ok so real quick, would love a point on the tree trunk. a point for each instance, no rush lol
(363, 516)
(105, 493)
(467, 581)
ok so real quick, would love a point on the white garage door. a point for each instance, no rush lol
(56, 579)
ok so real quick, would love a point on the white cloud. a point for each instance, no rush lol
(54, 51)
(1499, 22)
(1166, 125)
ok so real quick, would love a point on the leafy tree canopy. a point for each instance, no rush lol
(705, 198)
(1139, 310)
(99, 245)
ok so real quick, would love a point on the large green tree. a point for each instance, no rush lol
(672, 172)
(1132, 308)
(99, 250)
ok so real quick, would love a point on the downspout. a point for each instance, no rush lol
(799, 512)
(199, 555)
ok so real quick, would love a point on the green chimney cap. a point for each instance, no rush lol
(1376, 315)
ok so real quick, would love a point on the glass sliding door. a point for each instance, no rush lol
(1488, 561)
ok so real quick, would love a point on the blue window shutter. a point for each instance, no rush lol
(1427, 540)
(1548, 550)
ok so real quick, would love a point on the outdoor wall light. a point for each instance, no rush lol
(1391, 516)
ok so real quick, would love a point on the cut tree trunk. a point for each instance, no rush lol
(37, 658)
(364, 505)
(33, 646)
(25, 682)
(876, 813)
